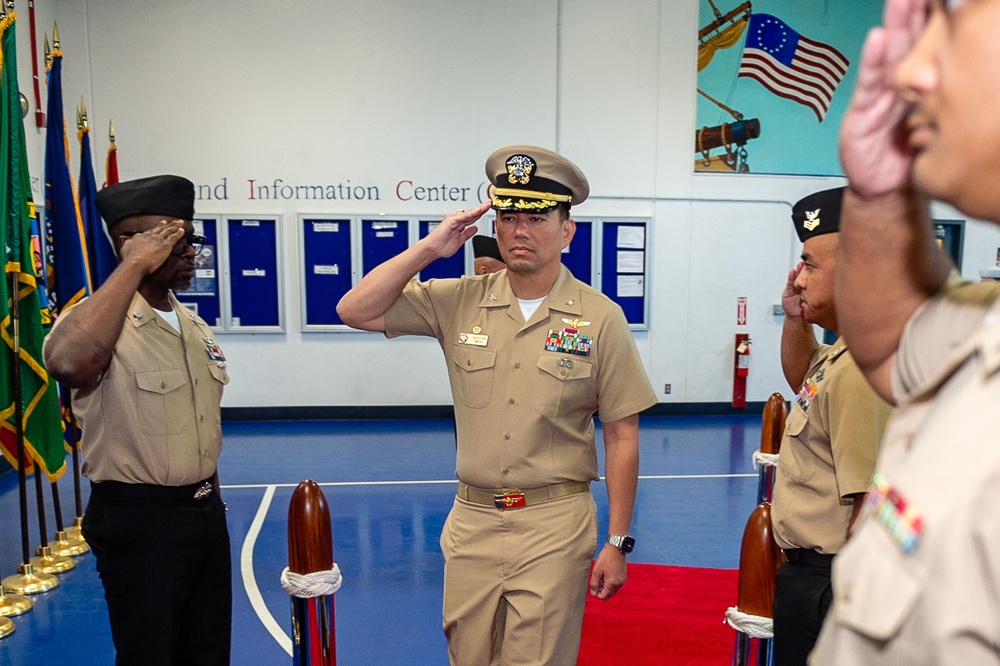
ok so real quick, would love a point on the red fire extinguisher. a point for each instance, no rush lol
(741, 369)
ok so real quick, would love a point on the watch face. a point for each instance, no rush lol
(628, 543)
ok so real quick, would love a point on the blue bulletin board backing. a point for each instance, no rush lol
(624, 259)
(382, 240)
(203, 294)
(254, 275)
(447, 267)
(326, 268)
(580, 257)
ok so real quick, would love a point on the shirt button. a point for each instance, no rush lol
(195, 382)
(507, 436)
(201, 418)
(517, 366)
(511, 401)
(563, 372)
(506, 471)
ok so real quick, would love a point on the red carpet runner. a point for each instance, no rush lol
(663, 615)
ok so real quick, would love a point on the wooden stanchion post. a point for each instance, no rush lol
(310, 550)
(772, 428)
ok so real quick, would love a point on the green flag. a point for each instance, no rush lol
(39, 395)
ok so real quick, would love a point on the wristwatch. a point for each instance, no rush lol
(622, 542)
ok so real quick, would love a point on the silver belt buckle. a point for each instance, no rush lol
(203, 491)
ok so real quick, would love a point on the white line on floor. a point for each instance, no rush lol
(453, 481)
(250, 582)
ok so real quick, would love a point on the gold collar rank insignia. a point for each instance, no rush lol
(575, 323)
(519, 169)
(812, 219)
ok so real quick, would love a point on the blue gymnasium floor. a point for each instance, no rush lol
(389, 485)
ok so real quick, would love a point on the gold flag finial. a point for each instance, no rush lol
(111, 132)
(55, 36)
(48, 53)
(79, 119)
(10, 6)
(83, 114)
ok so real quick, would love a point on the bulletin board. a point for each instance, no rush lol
(624, 267)
(381, 240)
(326, 257)
(578, 257)
(203, 295)
(454, 266)
(253, 256)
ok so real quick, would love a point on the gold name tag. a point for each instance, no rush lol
(473, 339)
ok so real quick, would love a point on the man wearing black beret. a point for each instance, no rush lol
(146, 377)
(486, 255)
(831, 436)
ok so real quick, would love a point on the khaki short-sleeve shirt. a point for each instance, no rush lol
(154, 417)
(827, 453)
(919, 582)
(525, 392)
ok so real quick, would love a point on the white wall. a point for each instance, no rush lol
(326, 91)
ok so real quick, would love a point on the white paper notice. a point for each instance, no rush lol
(326, 270)
(254, 272)
(630, 285)
(326, 226)
(633, 237)
(630, 262)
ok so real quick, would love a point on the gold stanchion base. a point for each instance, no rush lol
(47, 563)
(74, 533)
(26, 581)
(6, 627)
(14, 604)
(63, 545)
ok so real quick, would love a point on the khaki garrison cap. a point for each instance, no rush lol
(534, 179)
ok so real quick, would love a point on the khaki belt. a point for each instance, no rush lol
(509, 498)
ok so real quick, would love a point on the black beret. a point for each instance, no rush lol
(485, 246)
(818, 213)
(170, 196)
(530, 178)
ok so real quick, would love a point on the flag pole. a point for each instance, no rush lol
(74, 533)
(25, 581)
(44, 560)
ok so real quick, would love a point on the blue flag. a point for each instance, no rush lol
(66, 245)
(102, 259)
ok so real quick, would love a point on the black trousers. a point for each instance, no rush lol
(164, 560)
(802, 597)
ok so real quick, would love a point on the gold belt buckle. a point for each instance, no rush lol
(512, 500)
(203, 491)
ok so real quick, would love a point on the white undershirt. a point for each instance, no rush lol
(171, 318)
(528, 307)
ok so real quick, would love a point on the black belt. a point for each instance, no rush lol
(191, 492)
(804, 557)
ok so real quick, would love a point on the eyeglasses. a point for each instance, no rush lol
(194, 241)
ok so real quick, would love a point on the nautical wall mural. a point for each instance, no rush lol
(774, 80)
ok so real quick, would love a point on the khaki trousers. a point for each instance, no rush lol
(515, 581)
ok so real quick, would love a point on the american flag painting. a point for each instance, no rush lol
(790, 65)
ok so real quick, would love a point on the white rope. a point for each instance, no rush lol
(753, 626)
(764, 459)
(316, 584)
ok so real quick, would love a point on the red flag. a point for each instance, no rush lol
(111, 164)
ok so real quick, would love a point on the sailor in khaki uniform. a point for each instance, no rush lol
(532, 355)
(147, 377)
(830, 441)
(919, 581)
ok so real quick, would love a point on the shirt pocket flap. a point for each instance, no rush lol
(219, 372)
(471, 359)
(565, 368)
(796, 422)
(160, 381)
(876, 590)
